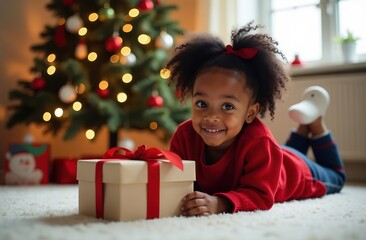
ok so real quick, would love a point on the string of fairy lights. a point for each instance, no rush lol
(123, 54)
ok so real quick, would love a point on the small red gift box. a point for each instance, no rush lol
(27, 163)
(64, 171)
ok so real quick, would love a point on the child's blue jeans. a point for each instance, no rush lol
(328, 166)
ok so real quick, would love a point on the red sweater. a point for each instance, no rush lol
(254, 173)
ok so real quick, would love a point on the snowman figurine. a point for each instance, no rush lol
(22, 166)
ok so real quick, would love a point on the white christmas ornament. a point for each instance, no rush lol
(131, 59)
(126, 142)
(67, 93)
(74, 23)
(164, 40)
(28, 138)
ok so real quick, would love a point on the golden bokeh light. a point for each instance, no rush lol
(51, 58)
(82, 31)
(90, 134)
(92, 56)
(103, 84)
(77, 106)
(114, 58)
(165, 73)
(134, 12)
(144, 39)
(47, 116)
(51, 70)
(127, 28)
(93, 17)
(127, 78)
(125, 50)
(153, 125)
(121, 97)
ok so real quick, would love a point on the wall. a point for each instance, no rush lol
(21, 22)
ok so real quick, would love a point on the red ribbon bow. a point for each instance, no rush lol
(151, 156)
(245, 53)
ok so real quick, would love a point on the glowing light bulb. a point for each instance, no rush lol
(127, 28)
(47, 116)
(153, 125)
(114, 58)
(82, 31)
(125, 51)
(93, 17)
(103, 85)
(121, 97)
(92, 56)
(90, 134)
(144, 39)
(59, 112)
(165, 73)
(127, 78)
(134, 12)
(51, 70)
(51, 58)
(77, 106)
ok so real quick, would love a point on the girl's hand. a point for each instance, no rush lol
(202, 204)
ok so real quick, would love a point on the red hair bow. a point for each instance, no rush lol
(245, 53)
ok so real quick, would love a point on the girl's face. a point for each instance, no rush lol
(221, 105)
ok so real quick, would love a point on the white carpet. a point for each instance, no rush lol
(51, 212)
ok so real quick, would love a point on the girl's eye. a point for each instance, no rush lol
(228, 106)
(201, 104)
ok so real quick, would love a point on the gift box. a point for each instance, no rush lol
(133, 189)
(64, 170)
(27, 163)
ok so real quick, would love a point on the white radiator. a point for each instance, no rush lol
(346, 115)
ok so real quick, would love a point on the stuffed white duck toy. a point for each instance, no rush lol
(314, 104)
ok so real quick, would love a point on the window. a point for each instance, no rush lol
(309, 27)
(352, 17)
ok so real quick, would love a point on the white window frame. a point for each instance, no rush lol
(331, 50)
(219, 17)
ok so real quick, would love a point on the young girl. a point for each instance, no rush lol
(239, 164)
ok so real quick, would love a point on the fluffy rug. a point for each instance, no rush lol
(51, 212)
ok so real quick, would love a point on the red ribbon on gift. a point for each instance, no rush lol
(151, 156)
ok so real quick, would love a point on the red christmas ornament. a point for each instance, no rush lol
(145, 5)
(297, 61)
(113, 44)
(38, 83)
(103, 93)
(155, 101)
(60, 36)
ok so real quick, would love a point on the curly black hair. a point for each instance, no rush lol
(265, 74)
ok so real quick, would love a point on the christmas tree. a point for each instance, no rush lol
(102, 64)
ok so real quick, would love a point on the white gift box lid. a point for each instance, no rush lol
(134, 171)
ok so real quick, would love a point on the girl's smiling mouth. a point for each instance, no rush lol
(212, 130)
